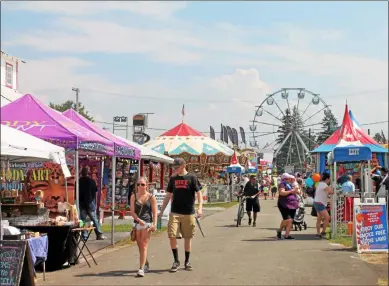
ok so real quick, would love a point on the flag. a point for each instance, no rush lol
(183, 110)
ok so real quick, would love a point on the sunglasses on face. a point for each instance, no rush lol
(143, 185)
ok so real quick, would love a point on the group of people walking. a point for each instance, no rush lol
(181, 191)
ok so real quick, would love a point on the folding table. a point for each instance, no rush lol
(83, 241)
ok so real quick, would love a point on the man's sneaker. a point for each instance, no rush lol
(188, 267)
(288, 237)
(147, 267)
(175, 266)
(279, 234)
(140, 273)
(254, 224)
(249, 221)
(324, 235)
(101, 237)
(318, 236)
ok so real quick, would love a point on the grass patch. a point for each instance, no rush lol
(220, 205)
(127, 241)
(375, 258)
(344, 240)
(106, 228)
(383, 281)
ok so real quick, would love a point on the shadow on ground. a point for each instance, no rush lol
(297, 236)
(120, 273)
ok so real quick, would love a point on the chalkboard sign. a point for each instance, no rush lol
(11, 262)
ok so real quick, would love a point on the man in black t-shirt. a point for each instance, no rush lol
(252, 203)
(182, 188)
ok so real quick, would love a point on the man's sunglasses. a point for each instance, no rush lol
(143, 185)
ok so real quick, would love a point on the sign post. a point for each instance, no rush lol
(371, 226)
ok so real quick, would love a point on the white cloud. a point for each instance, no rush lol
(79, 8)
(225, 45)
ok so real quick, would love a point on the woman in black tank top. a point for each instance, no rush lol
(144, 211)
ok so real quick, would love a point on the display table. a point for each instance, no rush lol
(61, 248)
(78, 239)
(39, 248)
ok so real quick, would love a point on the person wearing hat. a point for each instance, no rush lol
(182, 189)
(251, 190)
(287, 204)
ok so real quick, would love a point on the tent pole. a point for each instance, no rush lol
(77, 183)
(334, 206)
(113, 188)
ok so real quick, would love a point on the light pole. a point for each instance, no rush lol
(77, 90)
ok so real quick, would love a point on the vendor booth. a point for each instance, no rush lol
(114, 196)
(353, 147)
(46, 180)
(26, 250)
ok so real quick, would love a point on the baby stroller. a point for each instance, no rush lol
(298, 221)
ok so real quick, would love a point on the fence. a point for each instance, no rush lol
(342, 211)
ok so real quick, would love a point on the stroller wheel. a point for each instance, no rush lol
(305, 226)
(300, 228)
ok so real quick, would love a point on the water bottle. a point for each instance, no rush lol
(159, 223)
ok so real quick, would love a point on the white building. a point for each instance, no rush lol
(9, 78)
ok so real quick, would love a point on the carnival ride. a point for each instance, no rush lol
(286, 121)
(202, 154)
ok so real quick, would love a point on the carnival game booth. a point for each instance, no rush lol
(30, 115)
(349, 149)
(114, 196)
(378, 151)
(17, 146)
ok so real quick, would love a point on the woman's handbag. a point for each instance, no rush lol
(313, 212)
(133, 231)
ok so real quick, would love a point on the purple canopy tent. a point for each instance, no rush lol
(30, 115)
(121, 149)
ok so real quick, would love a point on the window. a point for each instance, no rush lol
(9, 73)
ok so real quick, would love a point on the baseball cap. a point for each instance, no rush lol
(286, 176)
(179, 162)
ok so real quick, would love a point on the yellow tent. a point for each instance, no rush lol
(385, 146)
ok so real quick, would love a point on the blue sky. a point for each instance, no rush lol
(203, 51)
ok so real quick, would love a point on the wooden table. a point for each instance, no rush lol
(80, 239)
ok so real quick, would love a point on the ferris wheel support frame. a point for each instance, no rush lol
(282, 144)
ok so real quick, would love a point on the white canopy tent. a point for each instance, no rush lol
(8, 95)
(149, 154)
(17, 146)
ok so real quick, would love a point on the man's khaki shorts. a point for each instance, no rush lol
(185, 224)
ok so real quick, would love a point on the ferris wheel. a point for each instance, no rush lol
(287, 123)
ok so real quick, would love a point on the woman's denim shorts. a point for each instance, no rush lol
(319, 207)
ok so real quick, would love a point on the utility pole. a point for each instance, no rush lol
(77, 90)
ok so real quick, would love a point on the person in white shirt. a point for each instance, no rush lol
(320, 204)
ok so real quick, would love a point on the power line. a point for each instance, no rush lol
(164, 129)
(180, 99)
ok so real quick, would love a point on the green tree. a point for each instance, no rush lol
(378, 137)
(292, 152)
(71, 104)
(329, 126)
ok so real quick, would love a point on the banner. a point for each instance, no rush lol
(225, 134)
(235, 136)
(229, 132)
(27, 178)
(242, 135)
(212, 132)
(371, 227)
